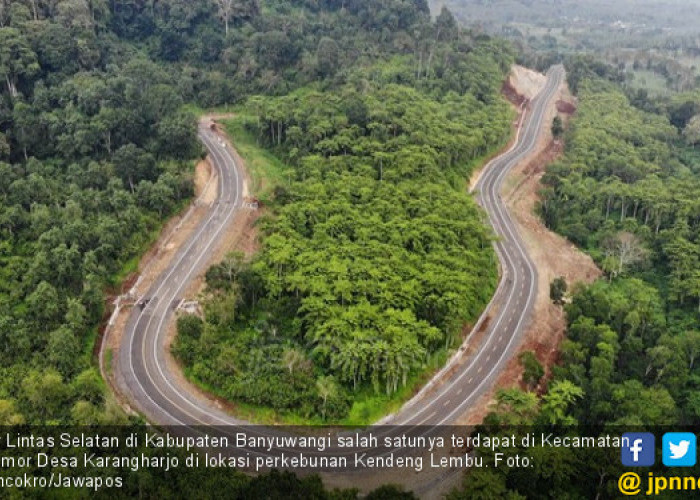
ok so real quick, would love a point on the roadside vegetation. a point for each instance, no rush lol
(626, 191)
(266, 170)
(363, 120)
(94, 153)
(374, 257)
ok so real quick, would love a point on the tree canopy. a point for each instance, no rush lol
(374, 257)
(626, 191)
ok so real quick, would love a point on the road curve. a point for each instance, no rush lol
(450, 396)
(146, 379)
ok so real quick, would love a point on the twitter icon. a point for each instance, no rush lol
(679, 449)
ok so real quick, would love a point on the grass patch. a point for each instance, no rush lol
(89, 341)
(108, 361)
(266, 170)
(132, 265)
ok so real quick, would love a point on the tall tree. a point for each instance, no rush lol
(533, 371)
(623, 251)
(226, 11)
(236, 9)
(17, 59)
(692, 131)
(4, 147)
(326, 388)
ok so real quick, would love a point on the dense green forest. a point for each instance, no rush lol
(626, 191)
(94, 152)
(374, 257)
(96, 149)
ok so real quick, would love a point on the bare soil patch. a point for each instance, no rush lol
(513, 96)
(520, 87)
(566, 108)
(526, 82)
(205, 182)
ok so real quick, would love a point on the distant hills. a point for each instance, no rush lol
(675, 15)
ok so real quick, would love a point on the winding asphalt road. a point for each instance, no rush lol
(147, 380)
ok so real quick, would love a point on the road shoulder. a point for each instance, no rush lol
(552, 254)
(241, 234)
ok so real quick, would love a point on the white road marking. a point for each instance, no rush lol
(500, 220)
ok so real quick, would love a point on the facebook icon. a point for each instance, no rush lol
(638, 449)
